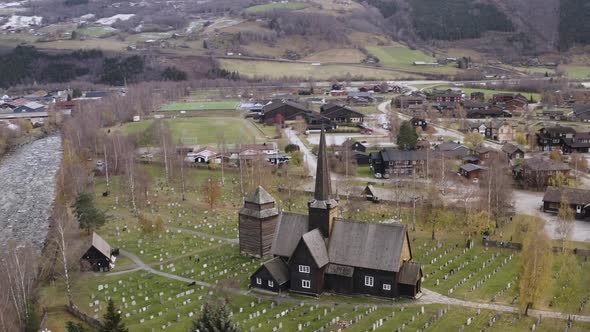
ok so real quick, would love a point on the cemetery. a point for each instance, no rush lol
(194, 258)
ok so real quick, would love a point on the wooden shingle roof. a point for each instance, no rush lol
(289, 231)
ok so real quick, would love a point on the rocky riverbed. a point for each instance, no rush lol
(27, 185)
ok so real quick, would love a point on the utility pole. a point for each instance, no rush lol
(106, 167)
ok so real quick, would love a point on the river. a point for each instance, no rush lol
(27, 184)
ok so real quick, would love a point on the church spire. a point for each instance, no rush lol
(323, 187)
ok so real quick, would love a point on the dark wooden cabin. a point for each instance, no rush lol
(98, 255)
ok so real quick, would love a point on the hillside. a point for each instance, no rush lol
(531, 26)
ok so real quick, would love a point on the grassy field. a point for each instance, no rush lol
(278, 70)
(272, 6)
(202, 106)
(95, 31)
(402, 57)
(573, 71)
(341, 55)
(206, 130)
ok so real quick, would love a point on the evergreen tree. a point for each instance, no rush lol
(407, 137)
(214, 318)
(87, 214)
(75, 327)
(112, 320)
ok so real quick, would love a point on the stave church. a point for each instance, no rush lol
(321, 252)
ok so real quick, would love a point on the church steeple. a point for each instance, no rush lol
(323, 185)
(322, 208)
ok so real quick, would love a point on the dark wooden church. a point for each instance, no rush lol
(98, 257)
(322, 252)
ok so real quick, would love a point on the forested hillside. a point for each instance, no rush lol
(542, 24)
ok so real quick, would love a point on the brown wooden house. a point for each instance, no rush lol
(326, 253)
(98, 256)
(578, 199)
(257, 223)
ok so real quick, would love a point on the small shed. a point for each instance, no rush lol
(98, 256)
(271, 276)
(471, 171)
(410, 279)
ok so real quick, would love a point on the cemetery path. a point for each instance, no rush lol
(428, 296)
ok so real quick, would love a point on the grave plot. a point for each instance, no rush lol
(505, 322)
(222, 223)
(213, 265)
(152, 248)
(144, 299)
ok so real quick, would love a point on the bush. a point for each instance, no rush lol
(291, 148)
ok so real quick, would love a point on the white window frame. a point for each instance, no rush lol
(304, 269)
(369, 281)
(305, 283)
(271, 283)
(387, 287)
(258, 281)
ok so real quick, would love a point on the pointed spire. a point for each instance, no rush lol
(323, 187)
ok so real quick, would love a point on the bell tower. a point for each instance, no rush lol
(323, 208)
(257, 222)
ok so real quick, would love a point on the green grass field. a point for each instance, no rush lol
(574, 71)
(402, 58)
(96, 31)
(202, 106)
(276, 70)
(272, 6)
(206, 130)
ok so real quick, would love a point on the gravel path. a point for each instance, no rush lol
(27, 179)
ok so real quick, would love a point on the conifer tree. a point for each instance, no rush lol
(214, 318)
(112, 320)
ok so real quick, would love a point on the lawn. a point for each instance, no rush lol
(272, 6)
(206, 130)
(573, 71)
(400, 57)
(202, 106)
(277, 70)
(341, 55)
(96, 31)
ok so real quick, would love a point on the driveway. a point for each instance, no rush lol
(529, 202)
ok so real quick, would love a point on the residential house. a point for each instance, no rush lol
(552, 115)
(501, 131)
(536, 172)
(355, 150)
(360, 98)
(470, 106)
(491, 112)
(484, 154)
(581, 112)
(98, 256)
(578, 199)
(287, 109)
(30, 108)
(452, 150)
(342, 115)
(203, 155)
(513, 151)
(549, 138)
(395, 89)
(506, 97)
(404, 102)
(323, 252)
(398, 162)
(445, 96)
(579, 143)
(471, 171)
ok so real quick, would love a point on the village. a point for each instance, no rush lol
(276, 203)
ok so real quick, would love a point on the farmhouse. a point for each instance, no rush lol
(287, 109)
(445, 96)
(98, 256)
(342, 115)
(323, 252)
(578, 199)
(536, 172)
(549, 138)
(513, 151)
(397, 162)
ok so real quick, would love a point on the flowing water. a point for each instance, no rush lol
(27, 190)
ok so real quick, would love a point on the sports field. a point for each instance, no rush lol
(202, 106)
(206, 130)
